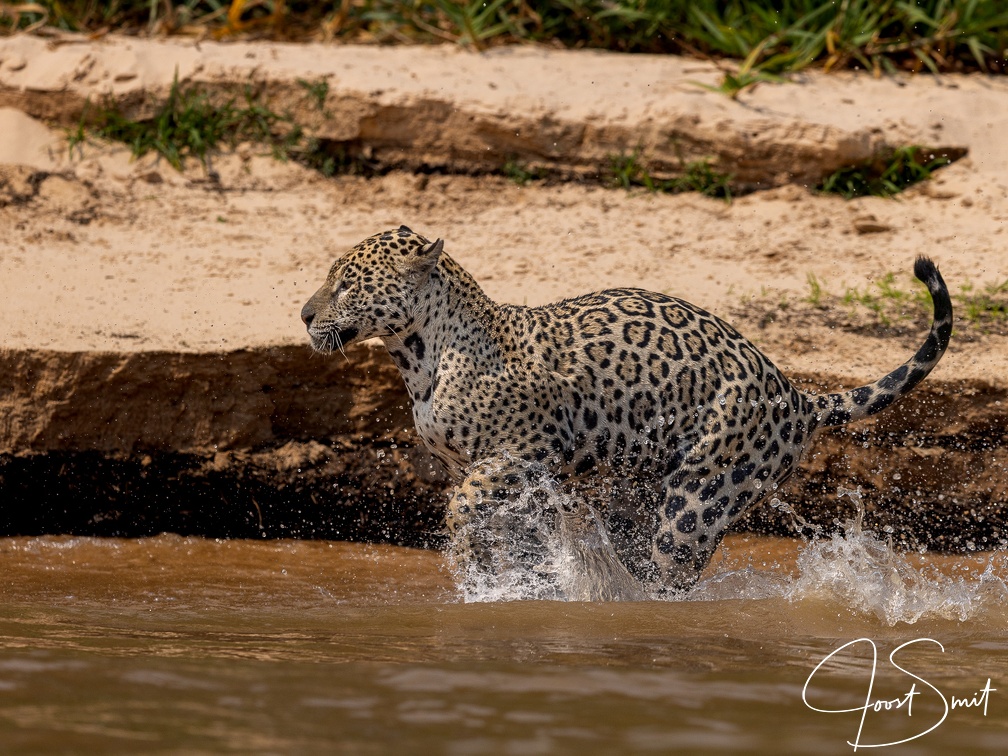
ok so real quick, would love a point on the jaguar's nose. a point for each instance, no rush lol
(307, 314)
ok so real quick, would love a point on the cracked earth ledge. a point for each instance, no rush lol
(154, 375)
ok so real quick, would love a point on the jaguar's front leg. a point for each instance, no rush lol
(500, 517)
(509, 519)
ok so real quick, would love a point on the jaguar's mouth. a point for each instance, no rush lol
(332, 341)
(345, 335)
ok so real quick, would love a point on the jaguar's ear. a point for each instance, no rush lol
(423, 260)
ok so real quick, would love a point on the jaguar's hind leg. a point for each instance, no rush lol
(714, 484)
(709, 493)
(684, 544)
(630, 511)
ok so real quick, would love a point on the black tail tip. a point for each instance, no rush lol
(926, 270)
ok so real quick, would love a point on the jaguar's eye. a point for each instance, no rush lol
(339, 290)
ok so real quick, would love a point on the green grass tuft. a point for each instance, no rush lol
(699, 176)
(520, 173)
(627, 172)
(815, 297)
(187, 124)
(890, 302)
(885, 176)
(192, 124)
(317, 91)
(988, 305)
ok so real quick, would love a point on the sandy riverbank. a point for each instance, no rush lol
(153, 315)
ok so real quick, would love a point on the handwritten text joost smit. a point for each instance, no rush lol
(815, 694)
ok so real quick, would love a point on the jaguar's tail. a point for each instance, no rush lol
(838, 409)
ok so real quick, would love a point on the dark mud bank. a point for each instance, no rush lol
(279, 443)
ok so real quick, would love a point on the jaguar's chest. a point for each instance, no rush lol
(434, 425)
(443, 414)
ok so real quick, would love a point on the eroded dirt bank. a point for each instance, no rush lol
(281, 443)
(154, 373)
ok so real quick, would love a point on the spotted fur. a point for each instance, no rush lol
(672, 422)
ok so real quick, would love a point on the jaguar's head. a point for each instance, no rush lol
(372, 290)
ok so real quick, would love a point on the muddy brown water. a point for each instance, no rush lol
(172, 644)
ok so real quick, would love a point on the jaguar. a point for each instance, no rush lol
(664, 417)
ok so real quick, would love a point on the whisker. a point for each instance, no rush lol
(394, 333)
(339, 345)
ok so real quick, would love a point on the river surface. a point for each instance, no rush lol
(187, 645)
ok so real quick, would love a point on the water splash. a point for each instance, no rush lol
(544, 544)
(857, 568)
(547, 545)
